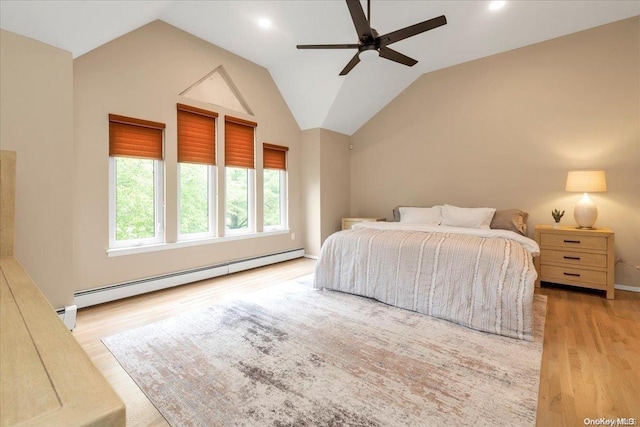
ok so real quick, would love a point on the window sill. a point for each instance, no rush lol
(188, 243)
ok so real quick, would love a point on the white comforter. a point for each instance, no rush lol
(482, 279)
(528, 243)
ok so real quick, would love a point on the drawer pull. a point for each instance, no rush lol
(572, 274)
(577, 258)
(572, 241)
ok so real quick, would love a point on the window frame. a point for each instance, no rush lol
(284, 202)
(211, 163)
(275, 157)
(158, 202)
(237, 159)
(142, 139)
(211, 204)
(251, 204)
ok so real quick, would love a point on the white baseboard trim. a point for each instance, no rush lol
(628, 288)
(311, 256)
(249, 263)
(68, 316)
(101, 295)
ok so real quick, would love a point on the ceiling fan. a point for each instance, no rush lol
(372, 44)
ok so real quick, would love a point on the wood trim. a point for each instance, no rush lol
(114, 118)
(274, 146)
(239, 121)
(196, 110)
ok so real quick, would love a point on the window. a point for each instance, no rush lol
(239, 149)
(239, 199)
(196, 171)
(136, 194)
(275, 186)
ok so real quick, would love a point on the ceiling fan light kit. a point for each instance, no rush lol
(368, 54)
(371, 44)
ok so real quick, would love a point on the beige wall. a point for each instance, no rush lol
(140, 75)
(335, 159)
(36, 121)
(326, 181)
(311, 207)
(504, 130)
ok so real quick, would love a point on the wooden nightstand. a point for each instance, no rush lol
(347, 223)
(577, 257)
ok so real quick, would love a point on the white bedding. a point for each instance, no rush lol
(479, 278)
(528, 243)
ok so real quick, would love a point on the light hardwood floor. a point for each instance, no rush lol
(590, 363)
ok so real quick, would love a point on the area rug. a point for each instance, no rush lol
(295, 356)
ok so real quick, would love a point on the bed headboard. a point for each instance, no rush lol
(7, 201)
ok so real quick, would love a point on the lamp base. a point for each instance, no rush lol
(585, 212)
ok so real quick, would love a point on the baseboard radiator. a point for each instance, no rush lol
(128, 289)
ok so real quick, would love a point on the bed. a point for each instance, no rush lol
(476, 276)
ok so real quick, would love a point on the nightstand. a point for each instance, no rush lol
(347, 223)
(576, 257)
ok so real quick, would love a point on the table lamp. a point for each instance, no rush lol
(585, 212)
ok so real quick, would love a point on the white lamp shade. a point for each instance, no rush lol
(586, 181)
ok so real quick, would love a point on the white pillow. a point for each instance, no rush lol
(430, 216)
(467, 217)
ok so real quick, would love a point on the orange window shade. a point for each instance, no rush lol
(196, 135)
(129, 137)
(239, 143)
(274, 156)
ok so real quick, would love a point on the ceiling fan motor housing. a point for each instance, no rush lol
(367, 47)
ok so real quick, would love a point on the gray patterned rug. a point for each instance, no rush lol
(295, 356)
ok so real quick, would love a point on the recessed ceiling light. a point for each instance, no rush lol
(497, 4)
(264, 23)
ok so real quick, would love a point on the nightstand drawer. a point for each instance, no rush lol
(574, 241)
(577, 259)
(571, 276)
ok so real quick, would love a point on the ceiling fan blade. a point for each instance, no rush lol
(354, 61)
(404, 33)
(393, 55)
(327, 46)
(359, 20)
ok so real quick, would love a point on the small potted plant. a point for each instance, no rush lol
(557, 216)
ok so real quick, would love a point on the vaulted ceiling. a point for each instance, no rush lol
(308, 79)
